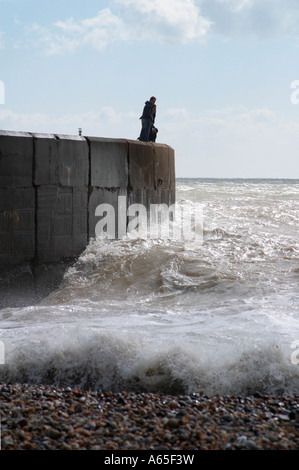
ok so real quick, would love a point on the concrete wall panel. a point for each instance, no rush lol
(6, 198)
(46, 168)
(162, 167)
(109, 162)
(141, 165)
(73, 160)
(45, 212)
(17, 224)
(55, 223)
(16, 159)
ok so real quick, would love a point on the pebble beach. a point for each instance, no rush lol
(38, 417)
(108, 360)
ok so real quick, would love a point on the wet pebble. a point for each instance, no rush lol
(48, 418)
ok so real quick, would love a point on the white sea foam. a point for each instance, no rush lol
(161, 314)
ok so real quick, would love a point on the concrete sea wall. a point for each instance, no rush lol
(50, 186)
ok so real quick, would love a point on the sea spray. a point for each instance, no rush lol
(172, 315)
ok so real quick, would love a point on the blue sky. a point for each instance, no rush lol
(221, 70)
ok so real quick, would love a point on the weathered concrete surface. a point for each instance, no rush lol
(51, 186)
(46, 162)
(73, 161)
(61, 177)
(17, 198)
(16, 159)
(108, 162)
(142, 165)
(61, 222)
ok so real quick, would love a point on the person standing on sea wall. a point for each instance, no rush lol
(147, 120)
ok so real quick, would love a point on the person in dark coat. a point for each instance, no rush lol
(147, 120)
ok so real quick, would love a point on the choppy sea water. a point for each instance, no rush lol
(217, 316)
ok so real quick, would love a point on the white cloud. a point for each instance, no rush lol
(258, 18)
(234, 143)
(258, 116)
(176, 113)
(104, 122)
(225, 142)
(174, 21)
(68, 35)
(235, 5)
(167, 20)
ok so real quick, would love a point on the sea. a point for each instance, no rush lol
(217, 315)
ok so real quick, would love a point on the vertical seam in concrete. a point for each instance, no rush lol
(35, 187)
(128, 162)
(155, 168)
(129, 188)
(88, 187)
